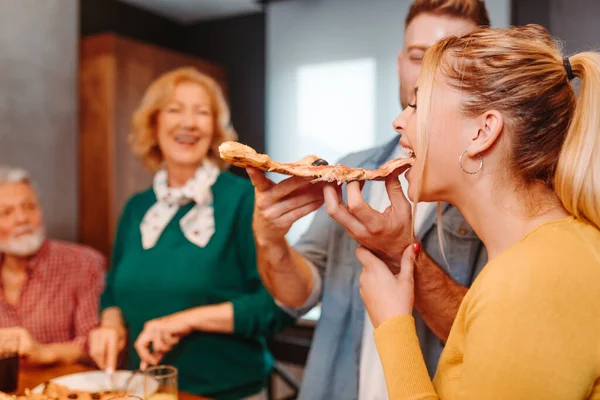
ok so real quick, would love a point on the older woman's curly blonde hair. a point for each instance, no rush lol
(143, 138)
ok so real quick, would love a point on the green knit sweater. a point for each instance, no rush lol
(176, 275)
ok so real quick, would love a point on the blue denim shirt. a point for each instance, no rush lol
(332, 370)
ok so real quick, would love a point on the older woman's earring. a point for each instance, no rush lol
(460, 162)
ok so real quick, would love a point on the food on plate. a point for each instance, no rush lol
(59, 392)
(312, 167)
(54, 391)
(27, 396)
(5, 396)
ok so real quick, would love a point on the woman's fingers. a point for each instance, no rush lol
(156, 338)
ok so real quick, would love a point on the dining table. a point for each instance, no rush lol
(30, 377)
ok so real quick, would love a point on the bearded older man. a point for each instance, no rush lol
(49, 289)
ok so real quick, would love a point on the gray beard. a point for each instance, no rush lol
(25, 245)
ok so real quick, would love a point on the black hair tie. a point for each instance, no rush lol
(568, 68)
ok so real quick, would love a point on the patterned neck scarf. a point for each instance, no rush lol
(198, 225)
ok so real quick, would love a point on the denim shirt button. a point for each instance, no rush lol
(463, 230)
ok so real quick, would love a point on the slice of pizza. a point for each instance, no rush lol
(311, 167)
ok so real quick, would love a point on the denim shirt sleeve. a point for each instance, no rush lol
(313, 299)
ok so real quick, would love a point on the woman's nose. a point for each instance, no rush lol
(400, 123)
(188, 120)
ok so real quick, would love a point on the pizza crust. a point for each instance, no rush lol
(240, 155)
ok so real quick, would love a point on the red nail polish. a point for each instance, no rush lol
(416, 247)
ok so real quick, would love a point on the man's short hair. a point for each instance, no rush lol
(9, 174)
(473, 10)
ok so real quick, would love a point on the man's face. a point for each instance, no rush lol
(420, 34)
(21, 220)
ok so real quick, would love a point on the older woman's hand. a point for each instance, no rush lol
(160, 335)
(384, 294)
(387, 233)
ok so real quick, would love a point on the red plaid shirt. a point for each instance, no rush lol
(59, 299)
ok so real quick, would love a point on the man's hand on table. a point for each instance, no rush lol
(31, 351)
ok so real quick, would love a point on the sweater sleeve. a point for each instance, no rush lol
(255, 313)
(522, 339)
(404, 368)
(107, 299)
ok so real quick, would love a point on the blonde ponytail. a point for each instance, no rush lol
(577, 179)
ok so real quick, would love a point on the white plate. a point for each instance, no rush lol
(99, 381)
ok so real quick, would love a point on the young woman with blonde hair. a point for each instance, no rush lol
(498, 131)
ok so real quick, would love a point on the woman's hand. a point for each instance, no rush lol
(384, 294)
(160, 335)
(105, 345)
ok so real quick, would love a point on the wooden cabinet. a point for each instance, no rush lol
(114, 72)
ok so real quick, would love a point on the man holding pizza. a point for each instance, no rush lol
(322, 267)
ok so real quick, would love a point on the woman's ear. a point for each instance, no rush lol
(491, 125)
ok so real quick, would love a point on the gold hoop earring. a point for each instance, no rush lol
(460, 162)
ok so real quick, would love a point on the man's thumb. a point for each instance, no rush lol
(259, 180)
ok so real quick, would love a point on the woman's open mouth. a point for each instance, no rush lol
(186, 139)
(409, 152)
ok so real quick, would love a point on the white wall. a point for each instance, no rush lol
(344, 53)
(38, 102)
(576, 23)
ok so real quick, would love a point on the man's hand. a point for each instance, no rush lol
(387, 234)
(29, 349)
(105, 344)
(285, 273)
(278, 206)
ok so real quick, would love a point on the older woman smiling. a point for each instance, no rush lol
(184, 288)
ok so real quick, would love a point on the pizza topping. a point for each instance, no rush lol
(318, 162)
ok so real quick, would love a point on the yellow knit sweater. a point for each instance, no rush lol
(529, 328)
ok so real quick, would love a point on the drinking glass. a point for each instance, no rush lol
(126, 397)
(160, 383)
(9, 363)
